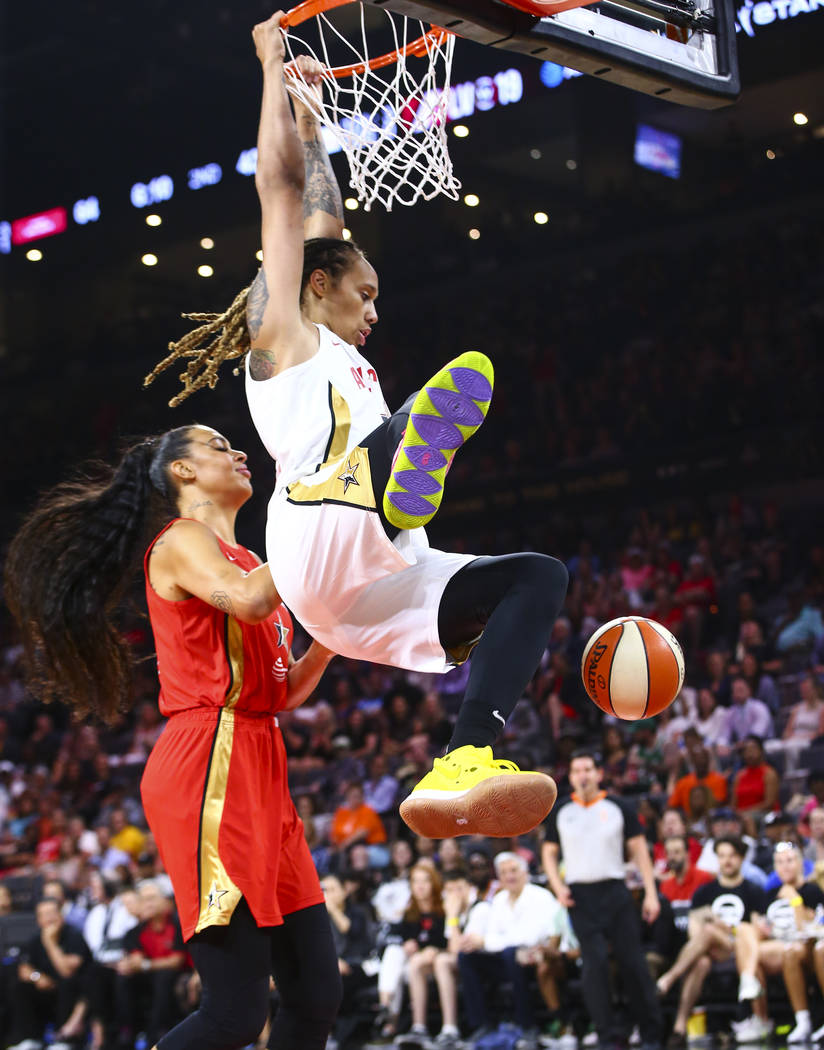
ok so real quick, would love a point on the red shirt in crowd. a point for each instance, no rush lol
(683, 890)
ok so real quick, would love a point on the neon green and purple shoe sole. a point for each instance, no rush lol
(445, 414)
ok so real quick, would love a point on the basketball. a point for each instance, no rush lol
(632, 667)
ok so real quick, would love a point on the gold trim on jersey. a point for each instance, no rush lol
(219, 896)
(341, 424)
(347, 481)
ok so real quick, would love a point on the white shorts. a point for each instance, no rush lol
(348, 584)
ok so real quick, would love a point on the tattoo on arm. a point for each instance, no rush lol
(262, 363)
(256, 304)
(321, 192)
(222, 601)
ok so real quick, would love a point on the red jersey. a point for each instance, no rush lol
(215, 788)
(206, 658)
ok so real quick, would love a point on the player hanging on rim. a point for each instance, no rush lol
(354, 483)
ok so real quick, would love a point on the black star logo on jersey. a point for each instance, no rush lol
(214, 897)
(348, 476)
(283, 633)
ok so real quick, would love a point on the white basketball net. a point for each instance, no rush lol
(390, 122)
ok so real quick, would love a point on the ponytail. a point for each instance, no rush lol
(69, 565)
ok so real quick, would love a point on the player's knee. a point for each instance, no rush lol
(548, 577)
(243, 1022)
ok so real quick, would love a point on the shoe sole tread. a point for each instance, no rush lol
(499, 806)
(444, 415)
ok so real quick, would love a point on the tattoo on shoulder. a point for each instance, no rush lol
(321, 191)
(262, 364)
(256, 304)
(222, 601)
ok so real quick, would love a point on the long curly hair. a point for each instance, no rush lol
(225, 336)
(68, 568)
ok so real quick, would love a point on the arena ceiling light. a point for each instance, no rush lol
(153, 220)
(472, 200)
(571, 164)
(474, 234)
(259, 255)
(800, 119)
(148, 259)
(205, 270)
(207, 243)
(346, 233)
(351, 204)
(460, 131)
(541, 218)
(535, 154)
(34, 255)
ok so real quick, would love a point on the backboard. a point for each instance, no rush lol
(679, 50)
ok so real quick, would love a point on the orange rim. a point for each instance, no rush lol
(311, 8)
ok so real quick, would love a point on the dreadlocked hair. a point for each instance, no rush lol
(218, 338)
(222, 337)
(68, 568)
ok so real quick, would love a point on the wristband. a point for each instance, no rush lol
(453, 922)
(145, 965)
(797, 900)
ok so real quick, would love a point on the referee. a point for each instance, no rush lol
(590, 831)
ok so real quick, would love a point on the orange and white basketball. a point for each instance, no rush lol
(632, 667)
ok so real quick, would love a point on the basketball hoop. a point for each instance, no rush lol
(388, 116)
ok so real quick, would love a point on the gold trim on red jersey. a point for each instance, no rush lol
(219, 896)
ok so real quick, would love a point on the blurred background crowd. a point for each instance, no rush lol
(656, 425)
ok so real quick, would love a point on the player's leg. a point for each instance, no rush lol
(234, 966)
(305, 968)
(411, 454)
(509, 604)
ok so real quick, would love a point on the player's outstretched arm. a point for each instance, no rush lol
(322, 203)
(279, 336)
(187, 560)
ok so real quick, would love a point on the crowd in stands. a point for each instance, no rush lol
(446, 939)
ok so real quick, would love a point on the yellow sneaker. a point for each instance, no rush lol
(468, 792)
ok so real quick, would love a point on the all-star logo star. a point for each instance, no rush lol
(214, 897)
(283, 633)
(348, 476)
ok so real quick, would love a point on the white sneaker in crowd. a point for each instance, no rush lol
(749, 987)
(752, 1030)
(802, 1032)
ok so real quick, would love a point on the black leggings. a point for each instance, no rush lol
(235, 963)
(511, 602)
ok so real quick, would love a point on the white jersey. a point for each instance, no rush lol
(316, 410)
